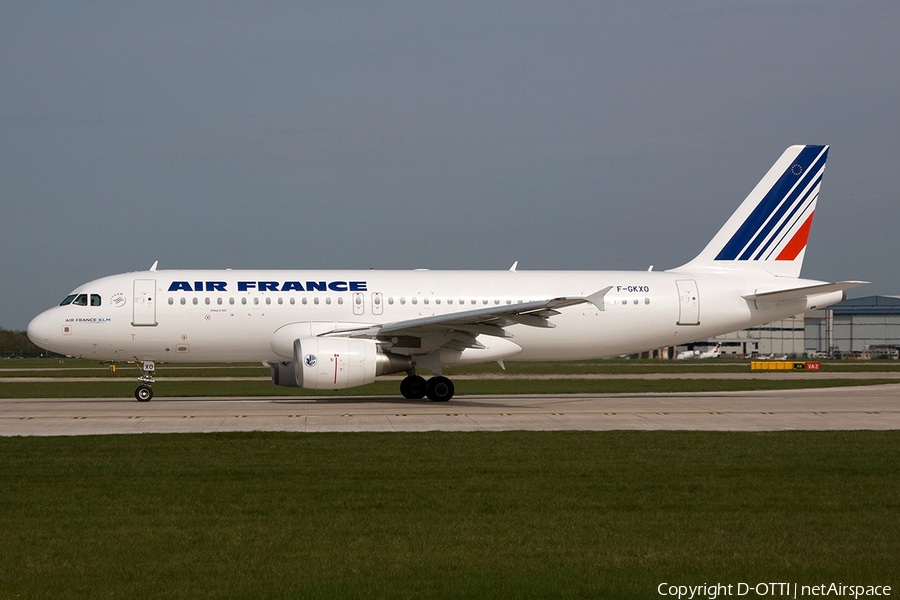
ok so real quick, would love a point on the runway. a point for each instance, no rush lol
(864, 407)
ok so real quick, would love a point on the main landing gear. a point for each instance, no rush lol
(438, 388)
(144, 392)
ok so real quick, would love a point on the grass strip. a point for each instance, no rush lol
(443, 515)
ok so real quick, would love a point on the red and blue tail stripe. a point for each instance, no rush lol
(778, 227)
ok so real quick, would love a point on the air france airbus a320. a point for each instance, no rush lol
(340, 329)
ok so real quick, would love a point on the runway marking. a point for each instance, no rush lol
(240, 416)
(189, 417)
(77, 418)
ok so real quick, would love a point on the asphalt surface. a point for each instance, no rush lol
(864, 407)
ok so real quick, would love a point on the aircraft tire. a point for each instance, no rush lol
(143, 393)
(413, 387)
(439, 389)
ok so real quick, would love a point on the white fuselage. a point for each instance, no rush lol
(215, 315)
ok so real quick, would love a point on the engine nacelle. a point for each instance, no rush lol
(323, 363)
(284, 373)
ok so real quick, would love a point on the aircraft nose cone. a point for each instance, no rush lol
(39, 330)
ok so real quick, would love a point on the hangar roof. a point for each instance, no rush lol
(868, 305)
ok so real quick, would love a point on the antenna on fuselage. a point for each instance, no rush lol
(153, 268)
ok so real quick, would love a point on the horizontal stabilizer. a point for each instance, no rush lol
(801, 293)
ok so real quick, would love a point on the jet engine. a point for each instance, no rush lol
(323, 363)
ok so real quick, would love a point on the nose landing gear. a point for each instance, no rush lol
(144, 392)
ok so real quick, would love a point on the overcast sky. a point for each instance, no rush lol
(398, 135)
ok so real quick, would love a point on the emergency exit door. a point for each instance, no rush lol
(144, 303)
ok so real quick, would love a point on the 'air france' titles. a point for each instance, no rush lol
(270, 286)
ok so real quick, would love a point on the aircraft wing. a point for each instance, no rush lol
(801, 293)
(459, 329)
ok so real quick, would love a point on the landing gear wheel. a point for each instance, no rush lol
(413, 387)
(439, 389)
(143, 393)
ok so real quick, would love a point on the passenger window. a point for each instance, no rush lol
(95, 300)
(171, 301)
(327, 300)
(219, 301)
(183, 301)
(195, 301)
(316, 300)
(244, 301)
(68, 300)
(231, 301)
(207, 301)
(403, 300)
(340, 300)
(293, 301)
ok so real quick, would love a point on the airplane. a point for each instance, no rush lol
(714, 353)
(340, 329)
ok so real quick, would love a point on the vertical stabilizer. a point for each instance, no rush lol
(769, 230)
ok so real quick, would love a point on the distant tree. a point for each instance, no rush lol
(16, 343)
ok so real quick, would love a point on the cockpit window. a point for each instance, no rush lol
(80, 300)
(68, 300)
(95, 300)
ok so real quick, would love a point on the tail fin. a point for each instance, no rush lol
(768, 231)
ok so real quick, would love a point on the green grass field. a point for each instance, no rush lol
(443, 515)
(122, 382)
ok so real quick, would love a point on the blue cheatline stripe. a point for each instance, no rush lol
(783, 207)
(778, 236)
(769, 204)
